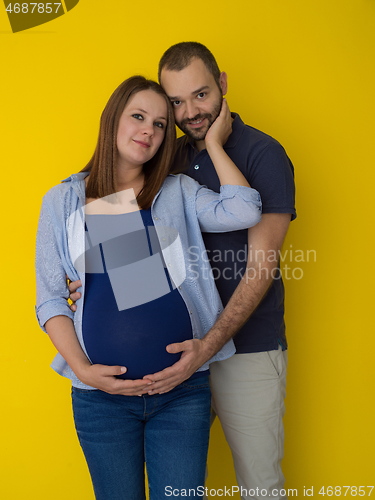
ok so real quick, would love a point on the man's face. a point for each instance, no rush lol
(195, 96)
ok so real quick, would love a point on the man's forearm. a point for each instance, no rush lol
(267, 236)
(195, 353)
(245, 299)
(264, 239)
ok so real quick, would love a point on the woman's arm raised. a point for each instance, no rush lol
(215, 139)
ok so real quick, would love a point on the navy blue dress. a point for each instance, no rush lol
(131, 309)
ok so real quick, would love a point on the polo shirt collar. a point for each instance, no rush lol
(238, 127)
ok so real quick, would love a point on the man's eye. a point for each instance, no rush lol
(159, 124)
(137, 116)
(176, 103)
(201, 95)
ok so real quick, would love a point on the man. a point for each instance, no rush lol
(248, 389)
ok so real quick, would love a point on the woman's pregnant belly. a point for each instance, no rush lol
(137, 337)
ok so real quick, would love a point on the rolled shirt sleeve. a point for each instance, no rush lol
(52, 289)
(234, 208)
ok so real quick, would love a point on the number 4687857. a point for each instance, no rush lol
(31, 8)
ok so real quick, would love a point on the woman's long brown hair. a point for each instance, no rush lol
(102, 166)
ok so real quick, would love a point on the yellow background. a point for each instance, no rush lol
(302, 71)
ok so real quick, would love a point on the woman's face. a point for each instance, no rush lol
(141, 128)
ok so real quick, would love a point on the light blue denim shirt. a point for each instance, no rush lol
(183, 208)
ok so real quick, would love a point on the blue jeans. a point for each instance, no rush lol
(169, 432)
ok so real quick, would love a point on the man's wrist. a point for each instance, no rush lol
(208, 349)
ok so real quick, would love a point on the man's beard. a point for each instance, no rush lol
(200, 134)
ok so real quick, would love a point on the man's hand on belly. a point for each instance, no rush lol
(194, 355)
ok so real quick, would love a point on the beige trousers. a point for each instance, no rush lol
(248, 392)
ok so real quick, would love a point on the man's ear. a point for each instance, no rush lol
(223, 82)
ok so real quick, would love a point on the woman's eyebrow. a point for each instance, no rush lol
(146, 112)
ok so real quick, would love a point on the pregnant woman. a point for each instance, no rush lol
(132, 234)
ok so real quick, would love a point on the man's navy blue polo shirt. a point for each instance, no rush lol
(268, 169)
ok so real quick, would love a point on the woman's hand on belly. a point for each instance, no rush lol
(105, 379)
